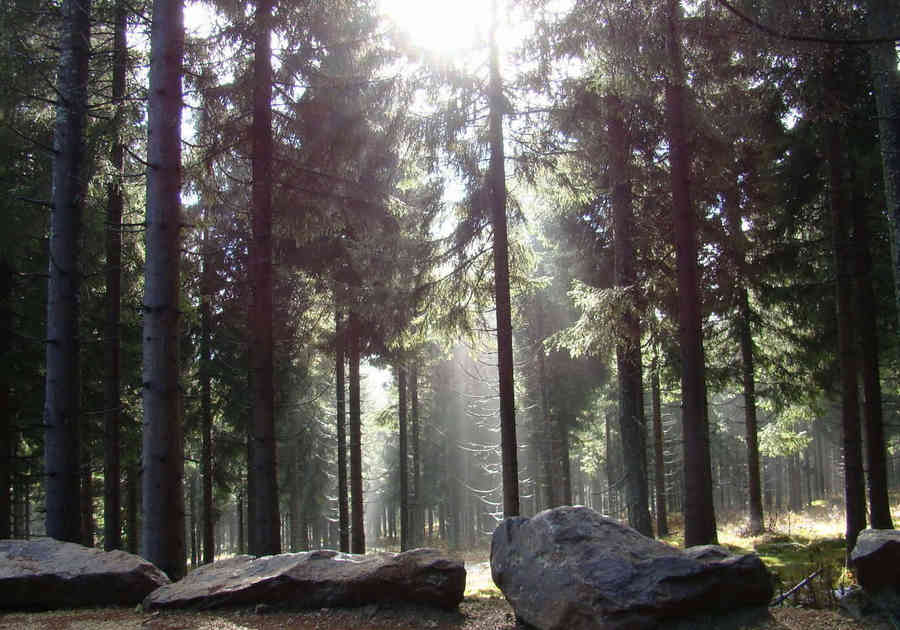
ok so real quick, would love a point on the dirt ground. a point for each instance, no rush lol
(475, 613)
(482, 609)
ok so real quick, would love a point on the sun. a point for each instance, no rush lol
(441, 26)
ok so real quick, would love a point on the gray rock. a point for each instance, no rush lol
(876, 562)
(572, 568)
(876, 559)
(318, 579)
(45, 573)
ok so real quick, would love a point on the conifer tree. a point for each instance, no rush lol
(699, 513)
(112, 496)
(500, 244)
(265, 538)
(163, 527)
(62, 414)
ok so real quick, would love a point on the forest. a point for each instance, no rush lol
(371, 275)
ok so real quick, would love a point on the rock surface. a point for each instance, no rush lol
(875, 559)
(44, 573)
(876, 562)
(318, 579)
(572, 568)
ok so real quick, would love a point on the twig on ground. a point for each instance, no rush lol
(803, 583)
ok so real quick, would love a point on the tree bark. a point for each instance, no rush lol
(497, 188)
(745, 335)
(86, 473)
(112, 476)
(544, 434)
(751, 426)
(62, 412)
(610, 466)
(163, 529)
(239, 508)
(565, 462)
(854, 491)
(20, 498)
(699, 513)
(7, 440)
(534, 462)
(662, 520)
(132, 497)
(416, 520)
(357, 520)
(404, 459)
(192, 519)
(206, 412)
(296, 496)
(552, 461)
(876, 455)
(266, 531)
(628, 351)
(343, 500)
(250, 493)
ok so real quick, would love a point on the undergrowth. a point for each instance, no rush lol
(794, 546)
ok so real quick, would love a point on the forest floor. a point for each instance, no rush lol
(475, 613)
(793, 547)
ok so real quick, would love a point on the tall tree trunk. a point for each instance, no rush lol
(132, 492)
(534, 462)
(854, 487)
(206, 413)
(7, 439)
(239, 508)
(416, 521)
(553, 460)
(86, 472)
(628, 351)
(883, 21)
(250, 493)
(662, 520)
(266, 531)
(192, 518)
(304, 531)
(357, 519)
(820, 460)
(296, 496)
(19, 502)
(699, 513)
(404, 459)
(454, 500)
(343, 499)
(876, 457)
(751, 426)
(112, 476)
(565, 462)
(497, 188)
(544, 437)
(163, 528)
(610, 466)
(62, 413)
(745, 335)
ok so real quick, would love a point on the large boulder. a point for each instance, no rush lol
(875, 559)
(572, 568)
(46, 573)
(319, 579)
